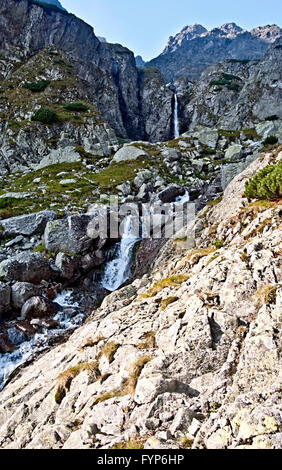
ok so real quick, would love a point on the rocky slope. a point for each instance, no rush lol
(191, 51)
(235, 94)
(26, 27)
(186, 356)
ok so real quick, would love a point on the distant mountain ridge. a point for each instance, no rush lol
(191, 51)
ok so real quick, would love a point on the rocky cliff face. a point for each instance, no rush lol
(187, 356)
(234, 93)
(27, 27)
(191, 51)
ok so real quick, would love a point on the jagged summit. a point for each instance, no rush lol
(186, 34)
(267, 33)
(230, 30)
(191, 51)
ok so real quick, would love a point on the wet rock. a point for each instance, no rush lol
(5, 297)
(6, 346)
(22, 291)
(26, 267)
(15, 336)
(171, 193)
(29, 224)
(66, 264)
(39, 307)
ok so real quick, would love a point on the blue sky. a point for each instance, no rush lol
(145, 25)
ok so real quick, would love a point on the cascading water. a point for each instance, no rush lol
(68, 318)
(117, 271)
(175, 116)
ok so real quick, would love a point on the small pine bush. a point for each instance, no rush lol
(76, 106)
(45, 116)
(266, 184)
(270, 140)
(273, 117)
(36, 87)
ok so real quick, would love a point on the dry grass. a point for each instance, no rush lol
(266, 295)
(187, 442)
(66, 378)
(129, 386)
(132, 444)
(172, 281)
(166, 302)
(148, 342)
(195, 256)
(109, 351)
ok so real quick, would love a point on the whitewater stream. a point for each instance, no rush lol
(117, 272)
(69, 318)
(176, 119)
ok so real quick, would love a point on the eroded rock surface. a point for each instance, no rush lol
(187, 356)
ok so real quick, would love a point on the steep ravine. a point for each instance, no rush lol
(186, 356)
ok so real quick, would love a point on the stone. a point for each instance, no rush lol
(206, 136)
(68, 234)
(66, 265)
(21, 292)
(128, 153)
(39, 307)
(66, 182)
(61, 155)
(124, 188)
(233, 151)
(26, 267)
(29, 224)
(171, 155)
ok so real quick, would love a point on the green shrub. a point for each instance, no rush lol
(233, 86)
(273, 117)
(46, 116)
(6, 202)
(37, 87)
(76, 106)
(270, 140)
(266, 184)
(230, 77)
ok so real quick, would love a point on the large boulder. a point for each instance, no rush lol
(26, 267)
(39, 307)
(206, 136)
(233, 151)
(68, 235)
(60, 155)
(28, 224)
(171, 193)
(5, 295)
(129, 152)
(22, 291)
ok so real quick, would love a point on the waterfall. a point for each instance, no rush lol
(117, 271)
(175, 115)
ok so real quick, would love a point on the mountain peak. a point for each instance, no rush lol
(230, 30)
(268, 33)
(187, 33)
